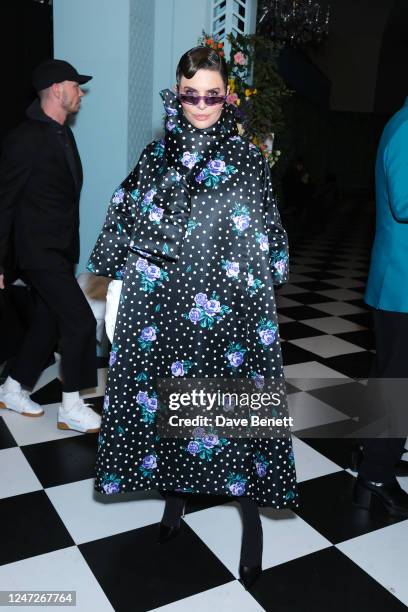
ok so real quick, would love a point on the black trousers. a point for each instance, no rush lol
(61, 312)
(391, 362)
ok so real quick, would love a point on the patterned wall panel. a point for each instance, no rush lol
(141, 37)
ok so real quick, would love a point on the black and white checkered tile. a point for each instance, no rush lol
(57, 535)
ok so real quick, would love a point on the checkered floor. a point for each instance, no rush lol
(57, 536)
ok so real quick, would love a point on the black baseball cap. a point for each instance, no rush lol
(56, 71)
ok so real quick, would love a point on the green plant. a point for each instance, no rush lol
(256, 88)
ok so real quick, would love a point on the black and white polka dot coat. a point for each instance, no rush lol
(195, 234)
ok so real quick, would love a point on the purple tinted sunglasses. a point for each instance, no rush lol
(194, 100)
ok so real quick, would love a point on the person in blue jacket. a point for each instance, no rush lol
(387, 293)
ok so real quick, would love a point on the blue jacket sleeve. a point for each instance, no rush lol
(396, 171)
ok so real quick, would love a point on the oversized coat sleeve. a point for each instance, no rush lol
(148, 215)
(277, 237)
(160, 235)
(109, 255)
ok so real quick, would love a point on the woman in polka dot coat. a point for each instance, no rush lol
(195, 234)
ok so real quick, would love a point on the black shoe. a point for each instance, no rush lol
(249, 575)
(167, 532)
(401, 467)
(356, 458)
(393, 499)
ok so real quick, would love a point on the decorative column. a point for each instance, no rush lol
(232, 17)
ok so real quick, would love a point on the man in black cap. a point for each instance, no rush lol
(40, 184)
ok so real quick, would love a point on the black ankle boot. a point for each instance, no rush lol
(167, 532)
(393, 499)
(250, 565)
(249, 575)
(174, 511)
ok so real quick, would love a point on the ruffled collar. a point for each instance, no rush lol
(182, 138)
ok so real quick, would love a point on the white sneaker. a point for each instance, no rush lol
(80, 417)
(20, 402)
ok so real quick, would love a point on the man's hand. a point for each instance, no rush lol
(2, 281)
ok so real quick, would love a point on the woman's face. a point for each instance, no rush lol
(203, 83)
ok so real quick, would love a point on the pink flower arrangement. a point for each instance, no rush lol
(232, 98)
(240, 58)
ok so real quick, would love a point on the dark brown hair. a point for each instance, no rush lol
(201, 58)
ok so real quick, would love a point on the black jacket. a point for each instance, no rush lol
(40, 185)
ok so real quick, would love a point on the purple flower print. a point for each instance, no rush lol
(152, 272)
(149, 462)
(241, 222)
(210, 440)
(267, 336)
(110, 484)
(216, 166)
(212, 306)
(111, 488)
(112, 358)
(170, 125)
(201, 176)
(237, 488)
(181, 367)
(200, 299)
(207, 311)
(118, 196)
(263, 242)
(240, 218)
(232, 269)
(235, 355)
(253, 284)
(259, 381)
(235, 359)
(142, 397)
(141, 265)
(155, 213)
(199, 432)
(148, 334)
(194, 315)
(177, 368)
(149, 196)
(170, 112)
(189, 159)
(280, 266)
(152, 404)
(260, 469)
(193, 447)
(106, 402)
(148, 407)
